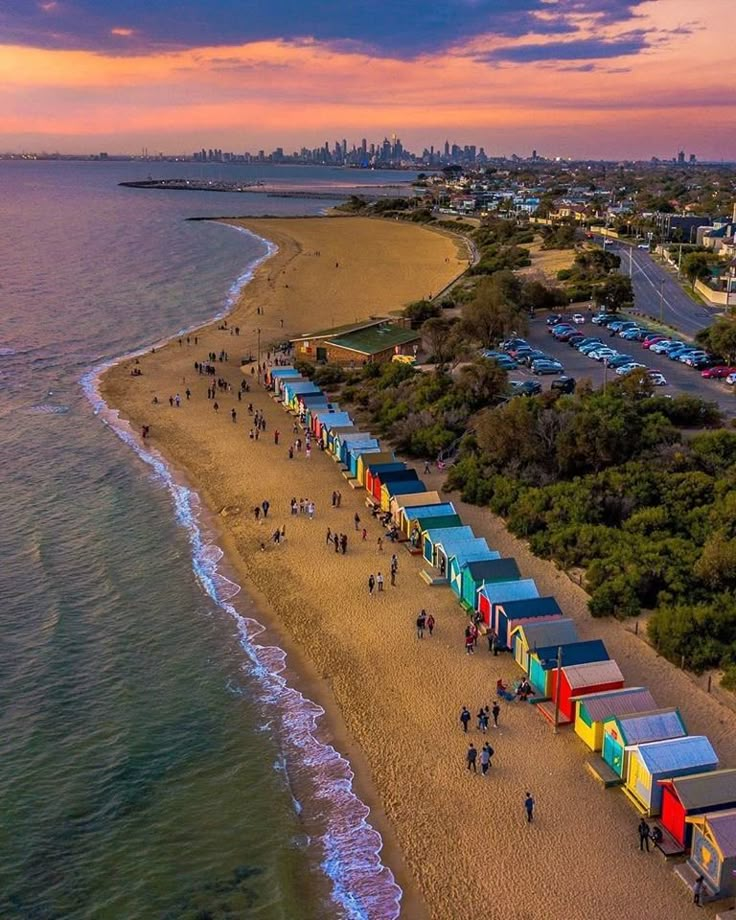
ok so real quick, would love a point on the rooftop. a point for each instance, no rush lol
(374, 339)
(340, 330)
(531, 606)
(651, 726)
(600, 706)
(589, 674)
(542, 634)
(678, 754)
(722, 825)
(705, 790)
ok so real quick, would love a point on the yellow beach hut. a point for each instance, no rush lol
(594, 710)
(412, 500)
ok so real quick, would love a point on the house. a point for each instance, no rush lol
(372, 342)
(593, 710)
(649, 763)
(356, 453)
(543, 663)
(622, 733)
(529, 635)
(491, 595)
(388, 477)
(685, 797)
(713, 853)
(474, 575)
(570, 682)
(507, 613)
(355, 444)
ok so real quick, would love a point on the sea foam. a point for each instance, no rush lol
(362, 887)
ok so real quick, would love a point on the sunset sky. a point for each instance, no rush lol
(611, 78)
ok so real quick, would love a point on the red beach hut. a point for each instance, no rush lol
(684, 797)
(579, 680)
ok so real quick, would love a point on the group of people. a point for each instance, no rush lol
(425, 621)
(303, 506)
(483, 717)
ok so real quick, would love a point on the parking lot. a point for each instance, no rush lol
(680, 377)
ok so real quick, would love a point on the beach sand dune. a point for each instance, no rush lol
(459, 843)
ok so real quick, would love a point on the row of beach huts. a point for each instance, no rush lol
(635, 744)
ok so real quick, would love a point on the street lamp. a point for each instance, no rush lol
(661, 300)
(605, 374)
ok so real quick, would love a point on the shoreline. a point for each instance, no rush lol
(453, 840)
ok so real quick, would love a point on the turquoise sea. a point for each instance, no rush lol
(154, 762)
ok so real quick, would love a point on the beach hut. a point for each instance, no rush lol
(713, 853)
(543, 661)
(344, 439)
(331, 420)
(411, 515)
(355, 453)
(594, 710)
(293, 389)
(356, 442)
(478, 551)
(330, 434)
(373, 470)
(407, 487)
(435, 535)
(400, 503)
(685, 797)
(570, 682)
(419, 526)
(510, 612)
(475, 574)
(497, 593)
(622, 733)
(648, 763)
(391, 476)
(279, 375)
(529, 635)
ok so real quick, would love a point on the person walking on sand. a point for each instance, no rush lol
(276, 437)
(188, 393)
(215, 406)
(371, 584)
(471, 757)
(465, 718)
(334, 499)
(468, 643)
(344, 543)
(496, 711)
(234, 415)
(379, 582)
(337, 543)
(426, 467)
(421, 623)
(483, 719)
(339, 495)
(328, 539)
(380, 545)
(644, 834)
(529, 807)
(265, 505)
(430, 625)
(485, 758)
(356, 519)
(365, 534)
(698, 891)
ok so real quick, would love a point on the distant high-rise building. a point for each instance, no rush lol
(447, 148)
(693, 159)
(681, 156)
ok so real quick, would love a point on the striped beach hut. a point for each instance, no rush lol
(421, 516)
(399, 503)
(475, 574)
(391, 490)
(529, 635)
(491, 595)
(570, 682)
(622, 733)
(355, 454)
(510, 612)
(375, 468)
(435, 535)
(594, 710)
(478, 551)
(543, 664)
(649, 763)
(713, 852)
(685, 797)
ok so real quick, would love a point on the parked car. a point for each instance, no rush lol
(589, 345)
(564, 334)
(515, 350)
(534, 355)
(564, 384)
(525, 387)
(511, 343)
(575, 339)
(731, 379)
(637, 334)
(553, 319)
(718, 372)
(618, 325)
(600, 353)
(547, 366)
(559, 328)
(652, 339)
(603, 319)
(620, 361)
(660, 347)
(674, 353)
(505, 363)
(699, 362)
(624, 370)
(691, 358)
(657, 379)
(578, 319)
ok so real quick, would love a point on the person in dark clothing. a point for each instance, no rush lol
(421, 623)
(465, 717)
(344, 543)
(529, 807)
(698, 891)
(496, 711)
(265, 505)
(471, 757)
(644, 833)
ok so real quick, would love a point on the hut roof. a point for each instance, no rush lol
(500, 591)
(572, 653)
(403, 475)
(336, 420)
(419, 498)
(493, 570)
(529, 607)
(548, 632)
(651, 726)
(596, 672)
(705, 790)
(301, 386)
(404, 486)
(438, 534)
(421, 512)
(385, 462)
(474, 551)
(678, 754)
(439, 521)
(360, 438)
(284, 371)
(600, 706)
(722, 825)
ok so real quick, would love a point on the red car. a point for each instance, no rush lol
(718, 372)
(651, 339)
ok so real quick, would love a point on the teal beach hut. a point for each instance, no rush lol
(543, 661)
(477, 551)
(474, 574)
(432, 538)
(622, 733)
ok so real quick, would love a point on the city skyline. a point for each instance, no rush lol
(614, 79)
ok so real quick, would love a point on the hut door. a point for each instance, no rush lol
(321, 354)
(613, 754)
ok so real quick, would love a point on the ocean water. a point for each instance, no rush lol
(154, 760)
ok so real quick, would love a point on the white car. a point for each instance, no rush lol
(626, 369)
(659, 380)
(600, 353)
(578, 319)
(731, 379)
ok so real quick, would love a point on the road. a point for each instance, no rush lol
(681, 379)
(674, 307)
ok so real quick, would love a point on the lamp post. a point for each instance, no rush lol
(605, 374)
(661, 300)
(557, 688)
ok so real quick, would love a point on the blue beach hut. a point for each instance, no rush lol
(490, 595)
(360, 442)
(543, 661)
(622, 733)
(406, 487)
(477, 551)
(433, 536)
(510, 612)
(280, 374)
(474, 574)
(649, 763)
(409, 516)
(453, 544)
(355, 453)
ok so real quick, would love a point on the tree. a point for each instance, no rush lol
(720, 338)
(696, 266)
(482, 382)
(615, 293)
(494, 310)
(443, 338)
(421, 310)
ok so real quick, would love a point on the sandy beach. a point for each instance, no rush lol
(458, 843)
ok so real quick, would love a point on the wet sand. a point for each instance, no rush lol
(458, 843)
